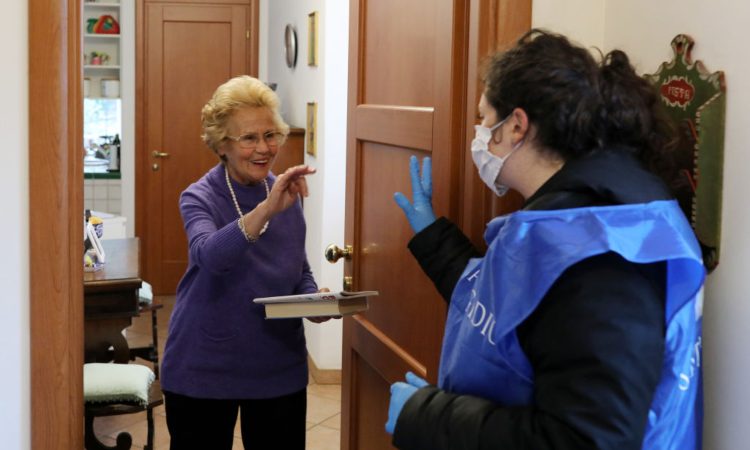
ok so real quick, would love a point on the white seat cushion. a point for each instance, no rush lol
(145, 294)
(109, 382)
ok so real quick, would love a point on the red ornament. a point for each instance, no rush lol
(107, 25)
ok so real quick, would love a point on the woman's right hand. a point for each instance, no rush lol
(287, 187)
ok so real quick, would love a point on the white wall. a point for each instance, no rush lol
(263, 40)
(644, 29)
(325, 84)
(15, 408)
(127, 83)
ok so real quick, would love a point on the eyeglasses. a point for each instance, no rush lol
(250, 141)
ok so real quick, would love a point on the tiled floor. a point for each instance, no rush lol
(323, 402)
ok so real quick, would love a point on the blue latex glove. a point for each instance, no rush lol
(400, 393)
(420, 213)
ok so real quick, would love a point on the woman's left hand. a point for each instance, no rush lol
(400, 393)
(323, 318)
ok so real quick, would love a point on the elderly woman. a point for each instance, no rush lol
(246, 235)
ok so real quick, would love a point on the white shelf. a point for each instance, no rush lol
(101, 35)
(102, 5)
(101, 67)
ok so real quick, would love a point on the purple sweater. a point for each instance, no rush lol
(220, 345)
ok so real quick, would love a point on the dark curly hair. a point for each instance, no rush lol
(578, 105)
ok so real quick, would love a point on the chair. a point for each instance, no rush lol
(113, 349)
(123, 441)
(149, 352)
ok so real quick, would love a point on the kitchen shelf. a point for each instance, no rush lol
(108, 47)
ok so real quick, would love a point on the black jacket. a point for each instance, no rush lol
(595, 342)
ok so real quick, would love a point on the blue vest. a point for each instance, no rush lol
(528, 251)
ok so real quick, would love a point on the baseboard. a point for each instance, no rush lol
(323, 376)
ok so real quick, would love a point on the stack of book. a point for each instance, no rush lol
(318, 304)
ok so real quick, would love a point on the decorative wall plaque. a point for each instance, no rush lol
(311, 132)
(312, 39)
(695, 99)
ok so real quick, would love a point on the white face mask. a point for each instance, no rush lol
(488, 164)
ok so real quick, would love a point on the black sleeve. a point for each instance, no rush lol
(596, 344)
(443, 252)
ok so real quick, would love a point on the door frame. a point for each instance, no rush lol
(55, 231)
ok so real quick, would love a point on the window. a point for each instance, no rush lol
(101, 121)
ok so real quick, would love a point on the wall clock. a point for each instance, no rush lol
(290, 46)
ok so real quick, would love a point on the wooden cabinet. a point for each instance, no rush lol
(292, 153)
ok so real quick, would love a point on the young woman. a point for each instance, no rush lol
(580, 328)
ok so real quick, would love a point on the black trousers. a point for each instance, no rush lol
(208, 424)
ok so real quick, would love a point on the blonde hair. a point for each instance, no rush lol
(239, 92)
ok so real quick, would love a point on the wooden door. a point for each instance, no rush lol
(406, 77)
(187, 51)
(414, 85)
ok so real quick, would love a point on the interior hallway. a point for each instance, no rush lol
(323, 401)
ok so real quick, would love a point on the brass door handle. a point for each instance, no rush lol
(333, 253)
(158, 154)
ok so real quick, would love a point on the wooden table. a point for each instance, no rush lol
(111, 301)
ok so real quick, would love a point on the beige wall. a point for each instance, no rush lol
(581, 20)
(644, 30)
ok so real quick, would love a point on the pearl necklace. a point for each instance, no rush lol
(237, 205)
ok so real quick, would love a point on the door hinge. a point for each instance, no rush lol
(247, 34)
